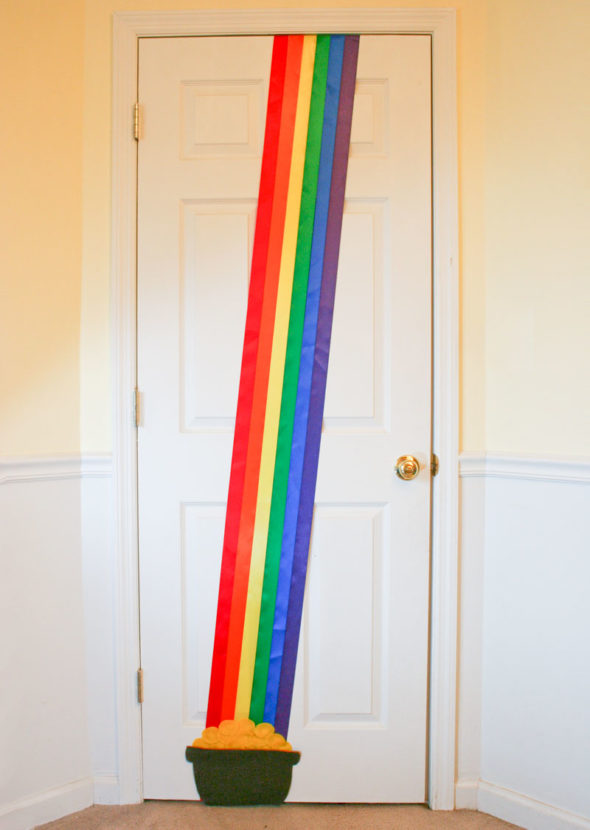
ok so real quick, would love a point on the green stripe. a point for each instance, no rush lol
(293, 355)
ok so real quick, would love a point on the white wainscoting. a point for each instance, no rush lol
(524, 673)
(46, 805)
(56, 725)
(524, 719)
(100, 590)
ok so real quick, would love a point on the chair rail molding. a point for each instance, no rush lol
(525, 466)
(54, 467)
(440, 25)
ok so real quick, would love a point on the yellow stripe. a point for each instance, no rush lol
(275, 382)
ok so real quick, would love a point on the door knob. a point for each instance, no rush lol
(407, 467)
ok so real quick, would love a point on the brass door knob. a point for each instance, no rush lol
(407, 467)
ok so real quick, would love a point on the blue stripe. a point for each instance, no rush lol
(294, 489)
(318, 382)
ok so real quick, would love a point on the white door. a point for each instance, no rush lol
(359, 713)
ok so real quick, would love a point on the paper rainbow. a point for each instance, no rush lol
(283, 378)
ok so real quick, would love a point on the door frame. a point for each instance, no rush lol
(440, 24)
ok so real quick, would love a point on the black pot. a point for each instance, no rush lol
(232, 777)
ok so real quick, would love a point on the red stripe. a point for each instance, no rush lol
(257, 289)
(250, 492)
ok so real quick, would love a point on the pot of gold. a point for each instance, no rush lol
(241, 763)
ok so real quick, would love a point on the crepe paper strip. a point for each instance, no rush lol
(318, 383)
(248, 507)
(282, 385)
(305, 374)
(260, 380)
(275, 384)
(289, 391)
(244, 409)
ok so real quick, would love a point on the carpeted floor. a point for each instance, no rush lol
(189, 815)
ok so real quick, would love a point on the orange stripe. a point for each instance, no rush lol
(244, 549)
(246, 391)
(275, 383)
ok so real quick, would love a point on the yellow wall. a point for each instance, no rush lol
(537, 226)
(95, 292)
(41, 67)
(524, 130)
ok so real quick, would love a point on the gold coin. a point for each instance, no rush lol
(245, 726)
(264, 730)
(228, 727)
(277, 741)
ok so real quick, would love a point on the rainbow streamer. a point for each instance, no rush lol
(283, 378)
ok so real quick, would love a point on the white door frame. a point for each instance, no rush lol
(128, 27)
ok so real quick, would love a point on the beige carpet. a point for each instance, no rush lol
(178, 815)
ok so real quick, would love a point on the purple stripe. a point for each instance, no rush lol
(318, 383)
(308, 343)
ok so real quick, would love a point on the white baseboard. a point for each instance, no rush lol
(107, 789)
(48, 805)
(516, 808)
(466, 794)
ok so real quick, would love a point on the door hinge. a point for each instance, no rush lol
(434, 464)
(140, 685)
(136, 121)
(136, 411)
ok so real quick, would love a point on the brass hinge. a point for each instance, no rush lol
(136, 411)
(434, 464)
(140, 685)
(136, 121)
